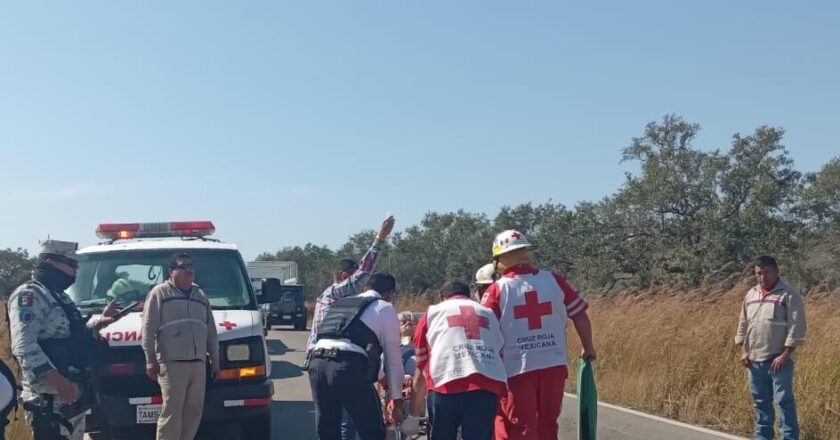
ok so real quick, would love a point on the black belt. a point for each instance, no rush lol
(335, 353)
(45, 409)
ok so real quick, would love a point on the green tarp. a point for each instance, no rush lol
(587, 398)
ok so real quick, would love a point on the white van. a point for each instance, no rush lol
(126, 267)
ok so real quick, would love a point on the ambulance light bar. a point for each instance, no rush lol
(125, 231)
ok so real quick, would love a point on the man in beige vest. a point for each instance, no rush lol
(178, 334)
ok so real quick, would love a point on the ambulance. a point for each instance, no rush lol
(126, 267)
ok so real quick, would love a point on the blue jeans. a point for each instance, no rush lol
(767, 387)
(472, 411)
(348, 429)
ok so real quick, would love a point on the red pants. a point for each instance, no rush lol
(532, 405)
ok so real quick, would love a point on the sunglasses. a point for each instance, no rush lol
(184, 266)
(68, 261)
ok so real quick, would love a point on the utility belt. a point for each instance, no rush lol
(336, 354)
(83, 403)
(44, 412)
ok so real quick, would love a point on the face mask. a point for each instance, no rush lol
(52, 277)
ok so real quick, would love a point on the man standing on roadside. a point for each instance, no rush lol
(533, 306)
(179, 333)
(771, 326)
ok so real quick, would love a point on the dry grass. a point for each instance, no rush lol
(17, 429)
(674, 355)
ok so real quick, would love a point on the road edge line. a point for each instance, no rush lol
(664, 420)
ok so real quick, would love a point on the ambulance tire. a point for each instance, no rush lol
(257, 428)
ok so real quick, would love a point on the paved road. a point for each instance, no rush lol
(294, 417)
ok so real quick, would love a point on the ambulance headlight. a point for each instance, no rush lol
(238, 353)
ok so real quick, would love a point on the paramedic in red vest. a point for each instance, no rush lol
(458, 344)
(533, 306)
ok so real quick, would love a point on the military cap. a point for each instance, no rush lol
(65, 249)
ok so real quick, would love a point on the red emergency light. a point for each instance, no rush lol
(124, 231)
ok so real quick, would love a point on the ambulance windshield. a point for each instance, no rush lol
(129, 276)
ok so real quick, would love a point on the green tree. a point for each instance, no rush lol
(689, 215)
(669, 209)
(821, 194)
(443, 246)
(15, 268)
(760, 190)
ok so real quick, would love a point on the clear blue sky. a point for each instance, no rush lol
(291, 122)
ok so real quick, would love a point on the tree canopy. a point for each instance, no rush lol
(689, 215)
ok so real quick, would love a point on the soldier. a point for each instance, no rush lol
(53, 344)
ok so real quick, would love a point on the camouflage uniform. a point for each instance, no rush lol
(35, 315)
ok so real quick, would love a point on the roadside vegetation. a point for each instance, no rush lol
(664, 262)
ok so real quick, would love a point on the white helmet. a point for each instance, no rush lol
(485, 275)
(509, 241)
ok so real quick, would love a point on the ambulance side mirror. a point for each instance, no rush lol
(272, 291)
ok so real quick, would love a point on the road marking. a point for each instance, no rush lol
(664, 420)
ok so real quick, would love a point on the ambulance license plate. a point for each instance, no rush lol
(148, 414)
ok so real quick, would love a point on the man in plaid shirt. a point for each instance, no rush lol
(350, 279)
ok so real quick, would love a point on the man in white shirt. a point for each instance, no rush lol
(344, 361)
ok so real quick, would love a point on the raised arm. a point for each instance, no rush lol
(356, 282)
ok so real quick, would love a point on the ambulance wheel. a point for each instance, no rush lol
(257, 428)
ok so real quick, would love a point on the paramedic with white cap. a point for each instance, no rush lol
(484, 277)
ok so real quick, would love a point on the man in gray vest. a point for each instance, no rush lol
(53, 344)
(345, 360)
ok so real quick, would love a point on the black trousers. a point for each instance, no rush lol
(46, 427)
(472, 411)
(341, 382)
